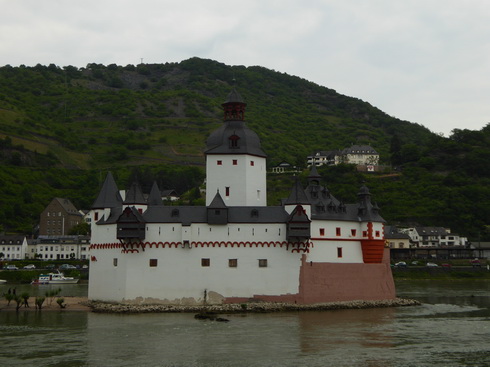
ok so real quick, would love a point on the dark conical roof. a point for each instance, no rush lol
(134, 195)
(314, 175)
(366, 209)
(297, 195)
(217, 203)
(155, 197)
(234, 97)
(109, 196)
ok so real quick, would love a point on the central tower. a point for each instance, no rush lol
(235, 162)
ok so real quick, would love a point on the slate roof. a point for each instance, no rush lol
(248, 141)
(359, 149)
(155, 197)
(68, 206)
(432, 231)
(234, 97)
(15, 239)
(391, 232)
(217, 202)
(297, 195)
(109, 196)
(134, 195)
(198, 214)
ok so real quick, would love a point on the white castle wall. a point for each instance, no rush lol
(179, 276)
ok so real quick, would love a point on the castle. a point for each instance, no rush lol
(311, 249)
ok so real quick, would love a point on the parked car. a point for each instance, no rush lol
(475, 262)
(415, 262)
(11, 267)
(432, 265)
(401, 264)
(30, 266)
(67, 267)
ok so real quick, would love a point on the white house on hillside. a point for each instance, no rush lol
(433, 237)
(356, 154)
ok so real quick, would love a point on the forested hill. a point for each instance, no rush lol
(103, 116)
(62, 128)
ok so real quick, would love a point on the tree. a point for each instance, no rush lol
(82, 228)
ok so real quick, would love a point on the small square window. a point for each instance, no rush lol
(232, 263)
(262, 263)
(252, 163)
(153, 263)
(205, 262)
(377, 233)
(235, 162)
(219, 163)
(353, 232)
(322, 231)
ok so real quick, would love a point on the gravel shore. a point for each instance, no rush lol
(83, 304)
(259, 307)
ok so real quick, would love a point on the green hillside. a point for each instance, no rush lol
(62, 128)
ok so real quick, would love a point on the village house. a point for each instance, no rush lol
(58, 218)
(433, 237)
(69, 247)
(360, 155)
(13, 247)
(396, 239)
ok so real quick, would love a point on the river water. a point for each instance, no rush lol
(451, 328)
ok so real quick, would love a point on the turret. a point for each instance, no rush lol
(108, 199)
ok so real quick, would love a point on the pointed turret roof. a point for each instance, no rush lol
(234, 97)
(297, 195)
(217, 203)
(134, 195)
(366, 209)
(314, 175)
(109, 196)
(155, 197)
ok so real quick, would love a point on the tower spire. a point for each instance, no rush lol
(234, 106)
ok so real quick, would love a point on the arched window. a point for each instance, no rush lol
(233, 141)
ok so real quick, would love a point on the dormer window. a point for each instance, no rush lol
(175, 213)
(254, 213)
(233, 141)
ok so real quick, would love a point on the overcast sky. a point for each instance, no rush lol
(425, 61)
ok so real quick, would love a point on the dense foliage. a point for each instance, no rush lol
(62, 129)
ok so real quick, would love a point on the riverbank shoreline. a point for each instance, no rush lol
(83, 304)
(253, 307)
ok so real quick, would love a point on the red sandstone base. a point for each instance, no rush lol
(334, 282)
